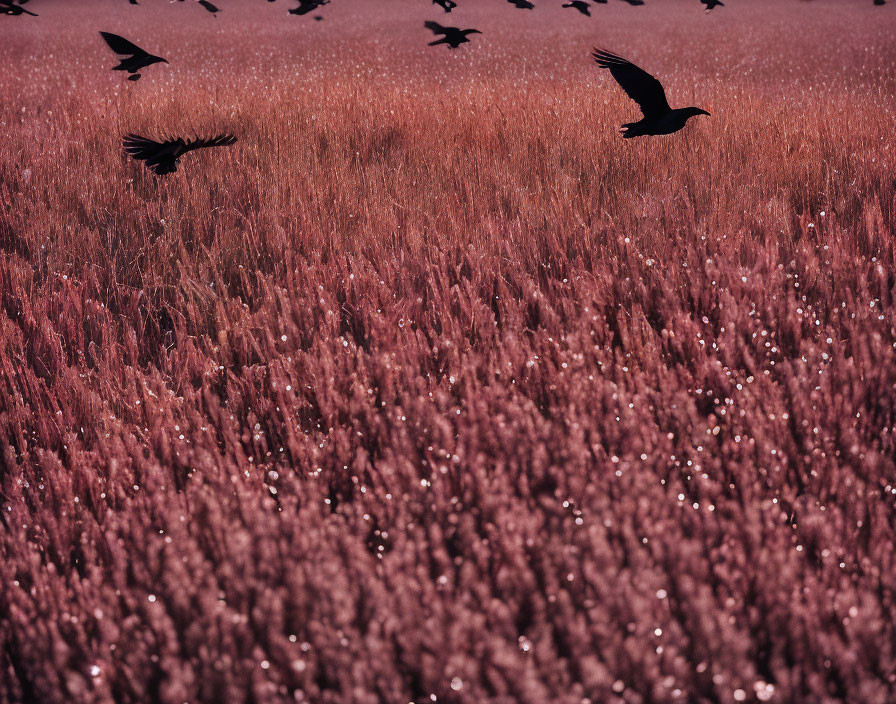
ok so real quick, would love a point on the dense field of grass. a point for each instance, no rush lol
(432, 388)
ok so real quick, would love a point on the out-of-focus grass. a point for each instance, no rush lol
(432, 385)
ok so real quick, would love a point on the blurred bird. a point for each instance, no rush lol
(161, 157)
(880, 2)
(579, 5)
(7, 8)
(522, 4)
(446, 5)
(306, 6)
(710, 4)
(208, 6)
(634, 2)
(133, 2)
(648, 93)
(454, 37)
(134, 59)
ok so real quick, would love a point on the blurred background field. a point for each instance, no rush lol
(432, 385)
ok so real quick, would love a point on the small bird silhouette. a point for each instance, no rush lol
(7, 8)
(636, 3)
(880, 2)
(306, 6)
(648, 93)
(454, 36)
(161, 157)
(135, 59)
(579, 5)
(446, 5)
(211, 8)
(710, 4)
(522, 4)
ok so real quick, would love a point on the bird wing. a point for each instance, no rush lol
(208, 6)
(639, 85)
(221, 140)
(143, 148)
(120, 45)
(435, 27)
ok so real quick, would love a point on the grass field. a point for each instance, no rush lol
(432, 388)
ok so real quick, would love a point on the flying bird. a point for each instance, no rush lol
(579, 5)
(306, 6)
(648, 93)
(522, 4)
(636, 3)
(208, 6)
(134, 58)
(7, 8)
(161, 157)
(454, 37)
(710, 4)
(446, 5)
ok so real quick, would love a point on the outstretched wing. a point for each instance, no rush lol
(120, 45)
(435, 27)
(221, 140)
(160, 157)
(639, 85)
(143, 148)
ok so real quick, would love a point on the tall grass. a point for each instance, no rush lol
(433, 388)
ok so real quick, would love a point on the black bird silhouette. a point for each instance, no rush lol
(634, 2)
(454, 37)
(7, 8)
(648, 93)
(710, 4)
(161, 157)
(208, 6)
(135, 59)
(306, 6)
(522, 4)
(446, 5)
(880, 2)
(579, 5)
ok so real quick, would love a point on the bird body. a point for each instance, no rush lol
(453, 36)
(446, 5)
(579, 5)
(134, 58)
(210, 7)
(648, 93)
(522, 4)
(161, 157)
(8, 8)
(306, 6)
(710, 4)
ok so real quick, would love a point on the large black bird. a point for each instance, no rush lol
(710, 4)
(447, 5)
(161, 157)
(579, 5)
(522, 4)
(454, 37)
(648, 93)
(7, 8)
(306, 6)
(134, 58)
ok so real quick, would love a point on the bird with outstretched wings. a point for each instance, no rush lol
(161, 157)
